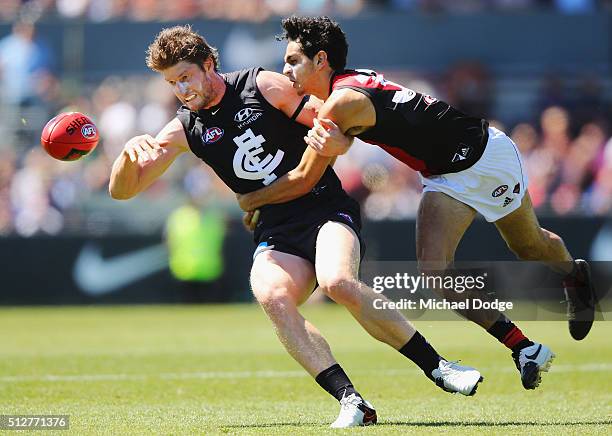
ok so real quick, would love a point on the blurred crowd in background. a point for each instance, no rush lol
(259, 10)
(566, 144)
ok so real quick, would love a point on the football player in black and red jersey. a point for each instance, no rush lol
(466, 166)
(246, 126)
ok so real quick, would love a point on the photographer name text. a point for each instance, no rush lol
(443, 304)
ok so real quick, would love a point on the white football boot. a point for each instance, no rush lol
(354, 412)
(452, 377)
(531, 362)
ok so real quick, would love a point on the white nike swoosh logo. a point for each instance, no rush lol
(534, 355)
(97, 276)
(215, 112)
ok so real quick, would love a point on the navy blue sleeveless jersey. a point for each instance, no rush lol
(249, 144)
(425, 133)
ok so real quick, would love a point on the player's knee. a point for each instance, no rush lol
(343, 289)
(273, 299)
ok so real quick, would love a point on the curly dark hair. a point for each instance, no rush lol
(179, 43)
(315, 34)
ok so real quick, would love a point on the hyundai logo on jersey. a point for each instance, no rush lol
(243, 114)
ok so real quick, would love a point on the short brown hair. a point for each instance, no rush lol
(179, 43)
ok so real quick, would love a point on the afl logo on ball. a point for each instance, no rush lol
(88, 131)
(212, 134)
(499, 190)
(243, 114)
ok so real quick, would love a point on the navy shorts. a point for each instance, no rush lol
(299, 236)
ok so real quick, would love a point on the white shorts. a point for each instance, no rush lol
(494, 186)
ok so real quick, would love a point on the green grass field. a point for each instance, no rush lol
(220, 369)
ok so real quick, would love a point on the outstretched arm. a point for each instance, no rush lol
(144, 159)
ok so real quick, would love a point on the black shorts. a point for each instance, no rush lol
(299, 236)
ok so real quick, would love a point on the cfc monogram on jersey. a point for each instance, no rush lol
(249, 143)
(425, 133)
(249, 164)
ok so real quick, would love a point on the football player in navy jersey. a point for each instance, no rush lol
(466, 167)
(242, 125)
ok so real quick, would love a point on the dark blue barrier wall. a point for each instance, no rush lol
(396, 240)
(133, 269)
(506, 43)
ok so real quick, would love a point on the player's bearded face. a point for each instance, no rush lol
(298, 68)
(191, 85)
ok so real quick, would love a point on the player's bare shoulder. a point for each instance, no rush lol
(278, 90)
(275, 88)
(352, 110)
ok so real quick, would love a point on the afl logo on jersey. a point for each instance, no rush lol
(212, 134)
(243, 114)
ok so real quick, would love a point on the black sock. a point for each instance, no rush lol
(335, 381)
(509, 334)
(422, 353)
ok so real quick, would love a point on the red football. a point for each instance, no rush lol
(69, 136)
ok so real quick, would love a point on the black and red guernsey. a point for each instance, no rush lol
(425, 133)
